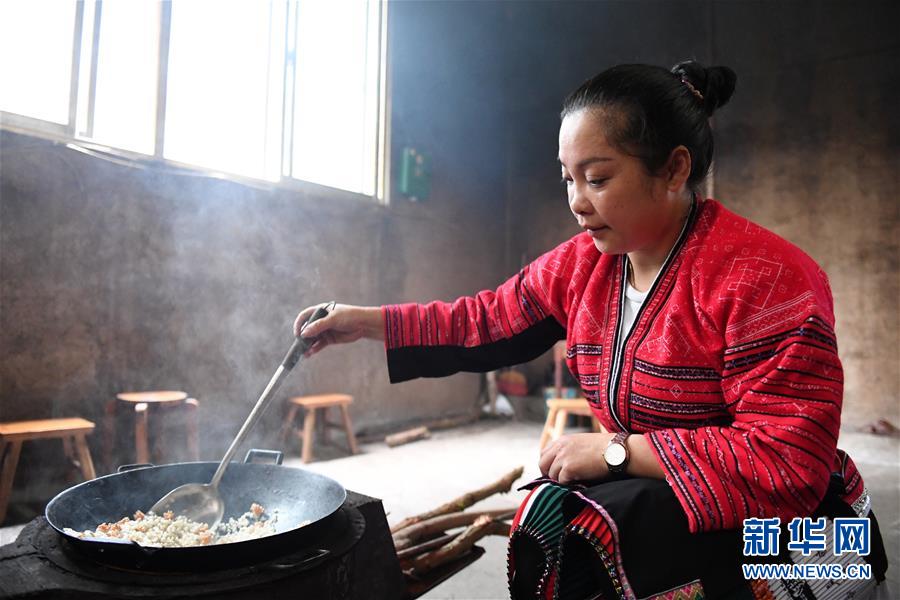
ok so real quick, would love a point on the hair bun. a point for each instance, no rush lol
(716, 84)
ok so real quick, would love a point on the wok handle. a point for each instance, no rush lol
(255, 455)
(310, 560)
(124, 468)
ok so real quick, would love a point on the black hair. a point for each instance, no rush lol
(650, 110)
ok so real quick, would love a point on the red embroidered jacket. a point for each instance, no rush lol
(730, 370)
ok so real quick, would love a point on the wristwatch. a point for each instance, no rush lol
(616, 453)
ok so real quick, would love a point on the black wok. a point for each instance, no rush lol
(293, 495)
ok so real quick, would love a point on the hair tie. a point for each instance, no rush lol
(691, 87)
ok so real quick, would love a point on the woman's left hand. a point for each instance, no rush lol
(576, 457)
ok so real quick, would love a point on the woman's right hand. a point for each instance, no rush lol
(343, 324)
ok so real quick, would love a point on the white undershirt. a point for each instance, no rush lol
(633, 301)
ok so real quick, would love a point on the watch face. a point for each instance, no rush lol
(615, 454)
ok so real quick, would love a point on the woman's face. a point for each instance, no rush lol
(611, 194)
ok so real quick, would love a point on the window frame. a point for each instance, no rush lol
(76, 134)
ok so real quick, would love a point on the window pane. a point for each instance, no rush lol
(36, 58)
(125, 105)
(335, 95)
(218, 86)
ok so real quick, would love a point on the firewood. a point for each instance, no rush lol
(500, 528)
(414, 533)
(466, 500)
(418, 549)
(459, 546)
(410, 435)
(496, 527)
(451, 422)
(373, 435)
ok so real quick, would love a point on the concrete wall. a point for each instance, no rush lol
(811, 149)
(117, 278)
(808, 146)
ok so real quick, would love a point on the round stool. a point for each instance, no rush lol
(143, 403)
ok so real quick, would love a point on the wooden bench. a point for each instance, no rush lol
(73, 433)
(311, 404)
(558, 411)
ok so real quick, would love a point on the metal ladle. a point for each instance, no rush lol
(201, 502)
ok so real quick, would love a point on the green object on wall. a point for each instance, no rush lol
(415, 175)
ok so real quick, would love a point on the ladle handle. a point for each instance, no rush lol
(300, 346)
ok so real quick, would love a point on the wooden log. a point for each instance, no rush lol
(418, 549)
(377, 435)
(501, 528)
(419, 531)
(405, 437)
(496, 527)
(451, 422)
(459, 546)
(466, 500)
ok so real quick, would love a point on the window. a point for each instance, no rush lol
(219, 90)
(335, 92)
(40, 86)
(128, 55)
(271, 89)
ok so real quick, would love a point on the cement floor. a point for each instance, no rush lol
(419, 476)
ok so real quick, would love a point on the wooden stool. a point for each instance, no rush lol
(560, 408)
(141, 404)
(311, 404)
(558, 412)
(73, 433)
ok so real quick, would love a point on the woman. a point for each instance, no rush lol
(703, 343)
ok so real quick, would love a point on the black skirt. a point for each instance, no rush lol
(629, 538)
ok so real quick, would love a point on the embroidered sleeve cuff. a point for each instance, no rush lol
(677, 475)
